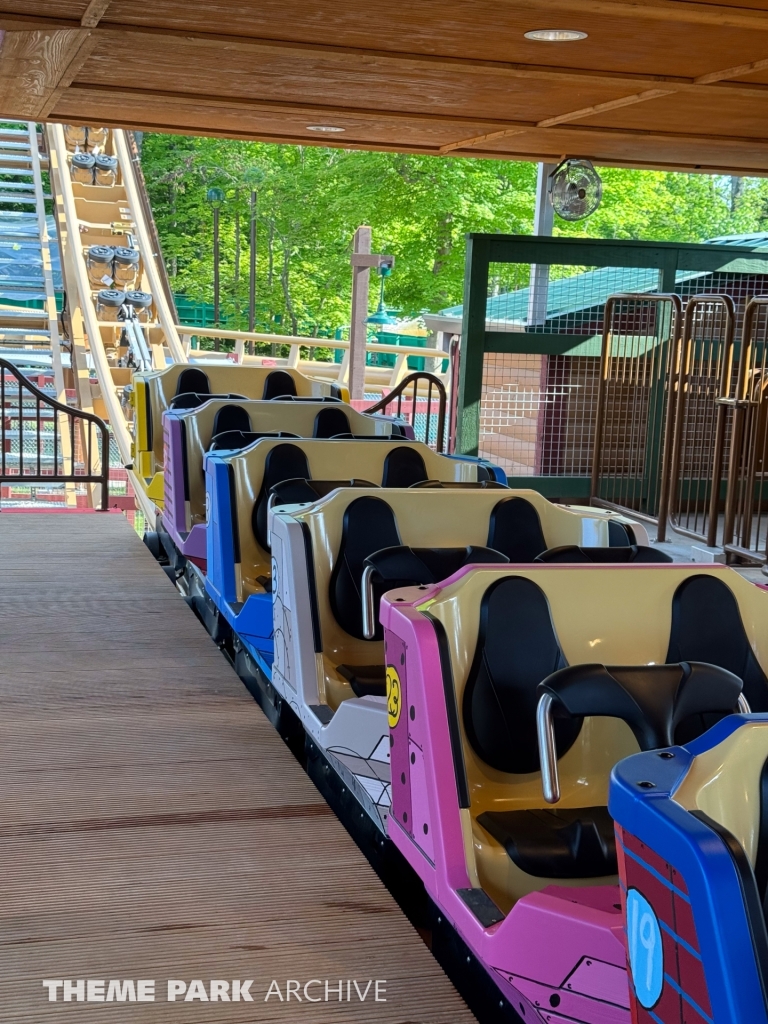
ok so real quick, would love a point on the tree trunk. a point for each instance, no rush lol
(285, 282)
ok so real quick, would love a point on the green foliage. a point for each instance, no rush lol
(311, 200)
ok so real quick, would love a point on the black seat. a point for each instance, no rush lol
(516, 649)
(368, 525)
(330, 422)
(192, 380)
(235, 440)
(707, 626)
(515, 530)
(653, 700)
(278, 384)
(283, 462)
(572, 554)
(231, 417)
(621, 535)
(402, 468)
(577, 842)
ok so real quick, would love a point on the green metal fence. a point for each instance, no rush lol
(531, 337)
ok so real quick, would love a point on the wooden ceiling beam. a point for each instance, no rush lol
(179, 105)
(94, 12)
(35, 67)
(386, 59)
(533, 154)
(705, 81)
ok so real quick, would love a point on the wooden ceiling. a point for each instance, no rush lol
(678, 84)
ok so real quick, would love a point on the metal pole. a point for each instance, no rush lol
(543, 224)
(358, 333)
(216, 282)
(252, 270)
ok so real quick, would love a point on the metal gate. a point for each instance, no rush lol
(745, 530)
(702, 418)
(635, 411)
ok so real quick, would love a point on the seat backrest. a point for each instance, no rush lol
(515, 530)
(707, 626)
(368, 525)
(193, 380)
(284, 462)
(403, 467)
(572, 554)
(331, 421)
(278, 384)
(516, 649)
(231, 417)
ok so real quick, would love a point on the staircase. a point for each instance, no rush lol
(36, 439)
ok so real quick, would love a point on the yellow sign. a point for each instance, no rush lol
(394, 696)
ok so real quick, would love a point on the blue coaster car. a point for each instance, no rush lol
(692, 839)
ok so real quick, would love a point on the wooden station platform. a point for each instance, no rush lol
(152, 823)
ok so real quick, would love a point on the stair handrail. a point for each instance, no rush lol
(94, 475)
(396, 394)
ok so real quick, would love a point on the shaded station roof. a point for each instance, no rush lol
(677, 84)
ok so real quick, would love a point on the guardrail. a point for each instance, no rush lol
(68, 446)
(376, 376)
(393, 404)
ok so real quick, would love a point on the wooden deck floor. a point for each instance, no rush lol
(152, 824)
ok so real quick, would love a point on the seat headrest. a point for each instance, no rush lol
(571, 553)
(620, 534)
(515, 529)
(707, 626)
(231, 417)
(329, 422)
(278, 384)
(193, 380)
(235, 440)
(283, 462)
(403, 467)
(516, 650)
(368, 524)
(191, 400)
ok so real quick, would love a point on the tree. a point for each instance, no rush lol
(311, 200)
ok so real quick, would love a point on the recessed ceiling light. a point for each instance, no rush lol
(556, 35)
(324, 128)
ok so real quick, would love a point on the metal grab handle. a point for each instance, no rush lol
(545, 731)
(366, 586)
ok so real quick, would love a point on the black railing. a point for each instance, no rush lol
(408, 407)
(45, 442)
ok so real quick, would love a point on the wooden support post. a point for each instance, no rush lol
(358, 333)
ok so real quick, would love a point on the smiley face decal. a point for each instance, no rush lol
(394, 696)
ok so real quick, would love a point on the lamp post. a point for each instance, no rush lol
(215, 197)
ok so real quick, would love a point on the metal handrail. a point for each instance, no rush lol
(96, 470)
(396, 394)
